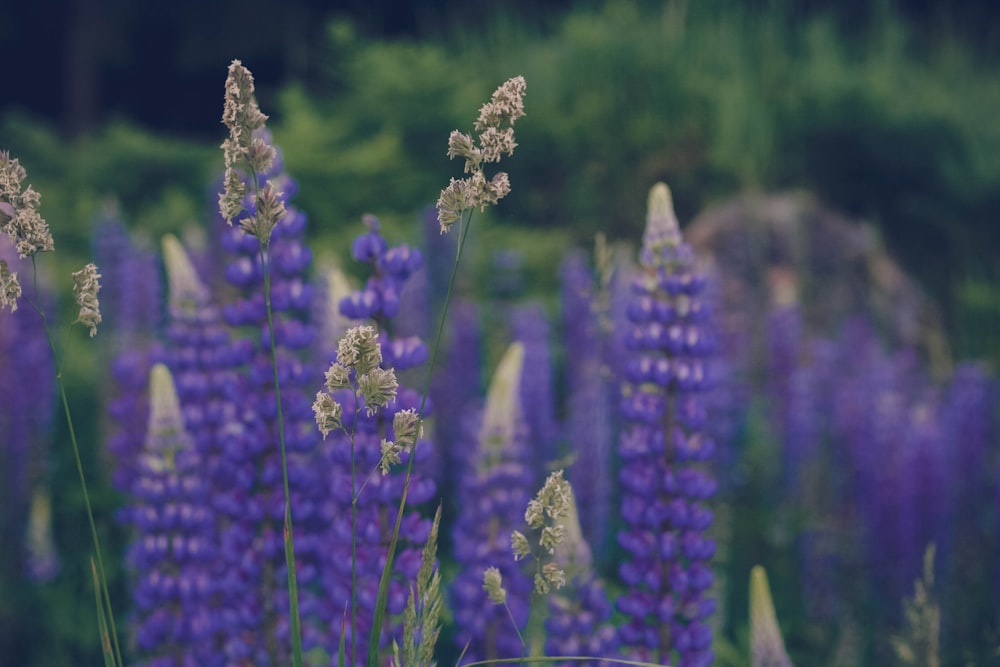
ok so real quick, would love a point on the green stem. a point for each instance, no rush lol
(76, 455)
(383, 584)
(293, 587)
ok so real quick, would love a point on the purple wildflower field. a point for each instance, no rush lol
(611, 461)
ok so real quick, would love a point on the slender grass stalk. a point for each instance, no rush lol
(293, 587)
(102, 623)
(383, 585)
(79, 464)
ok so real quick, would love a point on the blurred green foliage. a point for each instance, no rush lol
(713, 97)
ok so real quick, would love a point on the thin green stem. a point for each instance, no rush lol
(354, 543)
(383, 585)
(76, 455)
(293, 587)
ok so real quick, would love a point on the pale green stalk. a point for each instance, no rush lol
(383, 585)
(79, 463)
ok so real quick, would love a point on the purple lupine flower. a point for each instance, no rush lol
(257, 625)
(665, 452)
(28, 400)
(379, 301)
(172, 551)
(530, 326)
(589, 427)
(495, 490)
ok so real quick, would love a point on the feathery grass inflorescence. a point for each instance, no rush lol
(28, 231)
(252, 196)
(495, 125)
(375, 426)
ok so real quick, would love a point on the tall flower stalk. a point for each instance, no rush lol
(259, 208)
(664, 450)
(495, 128)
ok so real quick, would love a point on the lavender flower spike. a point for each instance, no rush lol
(766, 645)
(665, 449)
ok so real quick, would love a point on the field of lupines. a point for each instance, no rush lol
(256, 397)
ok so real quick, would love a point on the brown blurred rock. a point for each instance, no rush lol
(769, 250)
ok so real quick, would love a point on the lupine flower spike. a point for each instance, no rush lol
(664, 451)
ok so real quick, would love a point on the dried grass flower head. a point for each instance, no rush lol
(86, 285)
(495, 126)
(10, 287)
(248, 155)
(19, 217)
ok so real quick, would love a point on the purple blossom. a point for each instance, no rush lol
(665, 452)
(377, 502)
(172, 552)
(254, 587)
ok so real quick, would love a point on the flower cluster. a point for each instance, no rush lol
(21, 222)
(664, 449)
(371, 423)
(359, 356)
(495, 126)
(544, 517)
(19, 217)
(248, 156)
(172, 553)
(391, 268)
(86, 285)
